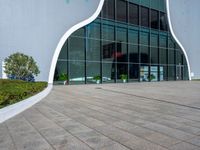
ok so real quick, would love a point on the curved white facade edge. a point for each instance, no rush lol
(66, 36)
(176, 39)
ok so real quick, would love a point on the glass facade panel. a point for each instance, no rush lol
(154, 19)
(112, 46)
(133, 37)
(144, 17)
(163, 22)
(122, 69)
(133, 14)
(121, 10)
(121, 39)
(163, 54)
(93, 50)
(77, 72)
(144, 54)
(133, 72)
(92, 71)
(76, 48)
(133, 53)
(108, 72)
(109, 9)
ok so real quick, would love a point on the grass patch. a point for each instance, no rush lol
(13, 91)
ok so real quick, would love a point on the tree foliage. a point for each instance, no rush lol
(21, 66)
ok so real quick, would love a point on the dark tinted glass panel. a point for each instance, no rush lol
(154, 40)
(144, 54)
(93, 50)
(108, 9)
(133, 36)
(171, 57)
(171, 72)
(76, 48)
(133, 71)
(133, 14)
(121, 10)
(92, 70)
(133, 53)
(144, 17)
(122, 69)
(121, 43)
(163, 56)
(108, 72)
(179, 57)
(163, 41)
(144, 38)
(93, 31)
(108, 51)
(154, 55)
(163, 22)
(77, 72)
(154, 19)
(108, 32)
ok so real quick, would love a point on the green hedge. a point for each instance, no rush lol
(12, 91)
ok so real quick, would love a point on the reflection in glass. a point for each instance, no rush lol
(76, 72)
(92, 70)
(133, 14)
(121, 10)
(154, 19)
(163, 22)
(108, 9)
(108, 72)
(76, 48)
(144, 17)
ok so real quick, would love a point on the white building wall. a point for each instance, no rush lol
(185, 19)
(35, 27)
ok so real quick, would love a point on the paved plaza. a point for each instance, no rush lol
(132, 116)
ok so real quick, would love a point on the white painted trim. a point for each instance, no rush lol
(12, 110)
(176, 39)
(67, 34)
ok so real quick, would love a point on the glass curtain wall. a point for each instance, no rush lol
(129, 39)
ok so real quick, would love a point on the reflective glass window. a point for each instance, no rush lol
(108, 10)
(92, 71)
(144, 54)
(121, 43)
(76, 48)
(163, 22)
(144, 17)
(154, 19)
(76, 72)
(133, 14)
(108, 72)
(121, 10)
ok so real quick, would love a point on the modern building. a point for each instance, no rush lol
(140, 39)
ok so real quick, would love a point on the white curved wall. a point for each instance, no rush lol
(185, 21)
(35, 27)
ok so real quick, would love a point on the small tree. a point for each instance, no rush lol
(20, 66)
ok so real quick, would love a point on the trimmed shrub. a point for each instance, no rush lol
(12, 91)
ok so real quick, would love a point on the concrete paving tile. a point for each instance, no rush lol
(183, 146)
(195, 141)
(99, 142)
(162, 139)
(114, 147)
(143, 145)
